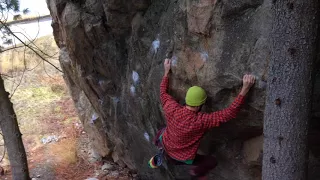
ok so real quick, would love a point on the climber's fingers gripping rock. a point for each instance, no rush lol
(167, 66)
(248, 81)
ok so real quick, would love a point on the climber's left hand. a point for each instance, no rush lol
(167, 66)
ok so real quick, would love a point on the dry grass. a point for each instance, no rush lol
(34, 100)
(44, 108)
(36, 107)
(17, 59)
(26, 17)
(64, 152)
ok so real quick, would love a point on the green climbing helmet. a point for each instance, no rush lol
(196, 96)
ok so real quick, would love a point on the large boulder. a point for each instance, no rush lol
(112, 53)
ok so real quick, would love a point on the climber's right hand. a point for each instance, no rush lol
(167, 66)
(248, 81)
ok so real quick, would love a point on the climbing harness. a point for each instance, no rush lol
(161, 158)
(157, 160)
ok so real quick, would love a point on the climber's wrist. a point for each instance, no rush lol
(166, 73)
(244, 91)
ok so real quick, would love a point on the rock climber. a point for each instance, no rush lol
(186, 124)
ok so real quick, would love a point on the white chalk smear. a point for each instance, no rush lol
(135, 77)
(115, 100)
(174, 60)
(204, 56)
(133, 90)
(146, 136)
(155, 45)
(100, 101)
(94, 117)
(101, 82)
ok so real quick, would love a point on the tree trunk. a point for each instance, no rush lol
(288, 103)
(12, 137)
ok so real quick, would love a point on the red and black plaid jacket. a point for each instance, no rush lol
(185, 127)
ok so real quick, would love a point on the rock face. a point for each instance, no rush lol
(112, 53)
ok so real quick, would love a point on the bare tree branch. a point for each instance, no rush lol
(30, 41)
(4, 153)
(33, 40)
(14, 47)
(4, 149)
(4, 75)
(24, 70)
(44, 67)
(2, 23)
(35, 46)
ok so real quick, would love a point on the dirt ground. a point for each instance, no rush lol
(45, 110)
(55, 143)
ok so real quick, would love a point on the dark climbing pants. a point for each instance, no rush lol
(202, 164)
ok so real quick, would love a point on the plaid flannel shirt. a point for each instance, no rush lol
(185, 128)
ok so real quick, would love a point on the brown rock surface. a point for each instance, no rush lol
(112, 53)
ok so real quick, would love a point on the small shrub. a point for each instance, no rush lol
(17, 17)
(58, 88)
